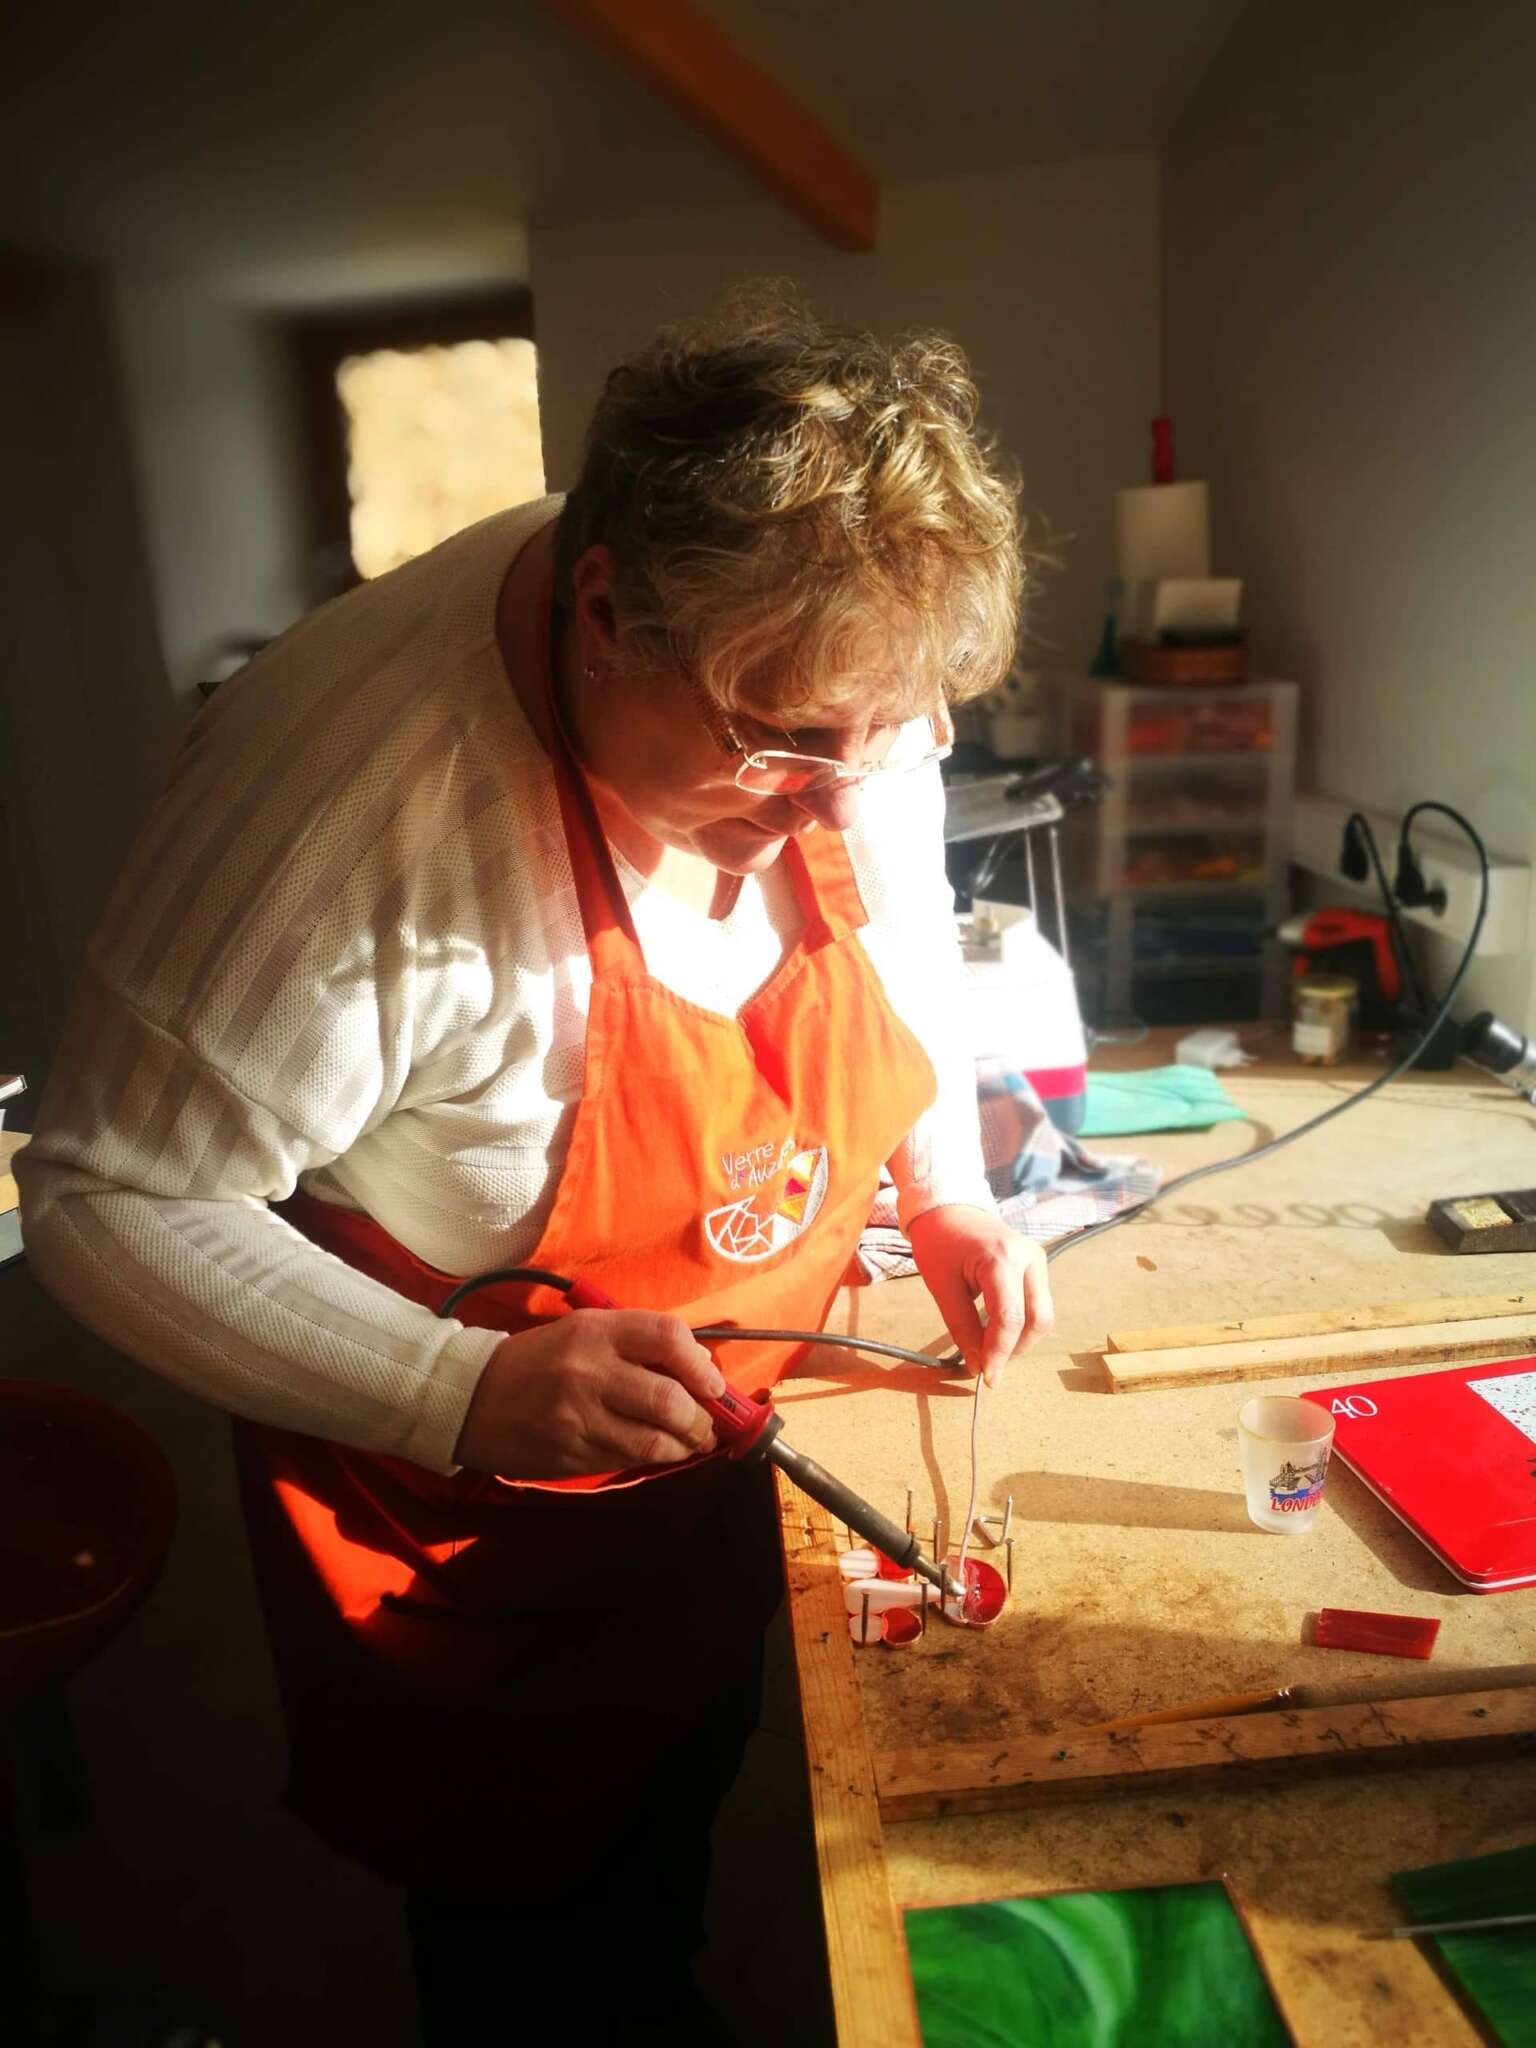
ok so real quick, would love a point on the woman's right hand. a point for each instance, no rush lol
(597, 1390)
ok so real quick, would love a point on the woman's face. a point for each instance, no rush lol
(672, 760)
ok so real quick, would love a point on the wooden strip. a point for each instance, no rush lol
(11, 1143)
(1206, 1365)
(1323, 1322)
(866, 1949)
(673, 47)
(987, 1777)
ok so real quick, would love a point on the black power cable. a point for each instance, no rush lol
(708, 1333)
(1360, 1095)
(1357, 826)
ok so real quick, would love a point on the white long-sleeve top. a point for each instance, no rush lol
(346, 952)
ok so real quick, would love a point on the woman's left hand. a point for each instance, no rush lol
(962, 1252)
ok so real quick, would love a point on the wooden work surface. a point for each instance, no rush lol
(1139, 1581)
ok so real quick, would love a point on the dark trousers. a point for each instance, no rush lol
(611, 1957)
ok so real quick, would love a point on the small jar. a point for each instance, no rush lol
(1323, 1014)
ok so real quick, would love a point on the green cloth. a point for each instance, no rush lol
(1160, 1099)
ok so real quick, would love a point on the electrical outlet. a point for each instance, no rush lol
(1444, 857)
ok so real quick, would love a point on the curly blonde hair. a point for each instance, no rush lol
(786, 500)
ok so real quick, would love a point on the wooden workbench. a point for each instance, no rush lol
(1139, 1581)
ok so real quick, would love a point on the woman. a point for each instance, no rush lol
(559, 900)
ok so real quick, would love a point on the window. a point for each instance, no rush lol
(436, 439)
(420, 419)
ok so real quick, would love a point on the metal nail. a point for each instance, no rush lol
(864, 1623)
(909, 1511)
(1009, 1548)
(924, 1629)
(1062, 944)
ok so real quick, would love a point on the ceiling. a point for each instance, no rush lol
(262, 142)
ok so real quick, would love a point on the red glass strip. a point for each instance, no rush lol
(1390, 1635)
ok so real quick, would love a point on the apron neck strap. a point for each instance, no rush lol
(610, 930)
(826, 887)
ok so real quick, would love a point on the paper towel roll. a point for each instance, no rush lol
(1162, 530)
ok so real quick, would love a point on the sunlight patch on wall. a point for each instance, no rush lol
(436, 439)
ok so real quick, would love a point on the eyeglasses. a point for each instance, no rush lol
(773, 771)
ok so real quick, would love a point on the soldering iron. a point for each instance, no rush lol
(749, 1429)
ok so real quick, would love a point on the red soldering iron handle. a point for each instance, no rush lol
(740, 1420)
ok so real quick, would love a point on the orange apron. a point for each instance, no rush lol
(481, 1677)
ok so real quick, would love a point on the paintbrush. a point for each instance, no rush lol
(1197, 1710)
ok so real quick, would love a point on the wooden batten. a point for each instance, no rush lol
(987, 1777)
(674, 48)
(1343, 1351)
(1325, 1322)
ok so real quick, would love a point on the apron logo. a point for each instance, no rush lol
(760, 1224)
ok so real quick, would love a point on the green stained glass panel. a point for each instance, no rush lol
(1168, 1967)
(1496, 1966)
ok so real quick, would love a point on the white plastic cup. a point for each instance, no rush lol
(1285, 1443)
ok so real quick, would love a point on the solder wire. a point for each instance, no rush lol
(970, 1511)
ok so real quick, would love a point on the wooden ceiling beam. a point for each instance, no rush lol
(674, 48)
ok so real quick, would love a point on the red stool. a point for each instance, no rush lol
(87, 1511)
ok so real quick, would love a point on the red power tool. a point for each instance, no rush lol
(1359, 943)
(747, 1427)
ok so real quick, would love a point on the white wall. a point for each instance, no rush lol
(1350, 329)
(1048, 277)
(210, 397)
(86, 715)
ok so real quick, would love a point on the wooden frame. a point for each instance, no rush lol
(871, 1979)
(853, 1793)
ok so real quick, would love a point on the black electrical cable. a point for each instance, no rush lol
(709, 1333)
(1357, 821)
(726, 1333)
(1326, 1116)
(531, 1274)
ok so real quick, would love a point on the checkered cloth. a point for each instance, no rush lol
(1047, 1185)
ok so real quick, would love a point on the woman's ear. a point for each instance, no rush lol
(592, 578)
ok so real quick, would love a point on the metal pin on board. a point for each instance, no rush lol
(909, 1511)
(864, 1623)
(1063, 945)
(924, 1628)
(1002, 1523)
(1008, 1546)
